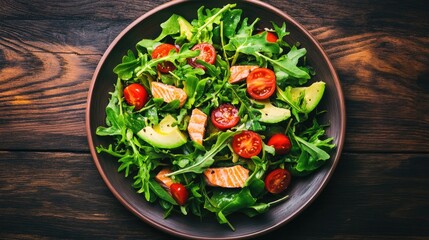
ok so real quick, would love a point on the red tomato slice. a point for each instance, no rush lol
(281, 143)
(247, 144)
(261, 83)
(277, 180)
(136, 95)
(207, 54)
(225, 116)
(160, 51)
(271, 37)
(179, 193)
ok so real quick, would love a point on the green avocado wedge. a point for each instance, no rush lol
(163, 135)
(303, 99)
(271, 113)
(312, 95)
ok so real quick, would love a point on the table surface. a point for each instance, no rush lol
(50, 187)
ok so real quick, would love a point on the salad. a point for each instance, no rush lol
(216, 115)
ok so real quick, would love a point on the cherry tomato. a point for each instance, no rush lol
(271, 37)
(247, 144)
(207, 54)
(281, 143)
(225, 116)
(136, 95)
(261, 83)
(160, 51)
(277, 180)
(179, 193)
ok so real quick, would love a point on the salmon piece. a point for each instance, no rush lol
(197, 125)
(168, 92)
(164, 180)
(239, 73)
(227, 177)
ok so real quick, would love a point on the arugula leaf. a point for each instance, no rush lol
(246, 43)
(161, 192)
(286, 67)
(146, 46)
(261, 207)
(125, 70)
(281, 33)
(169, 27)
(115, 120)
(226, 201)
(286, 96)
(204, 161)
(199, 92)
(239, 96)
(231, 19)
(149, 66)
(203, 25)
(313, 150)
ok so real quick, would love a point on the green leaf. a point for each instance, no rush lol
(281, 32)
(125, 70)
(231, 19)
(204, 24)
(314, 150)
(204, 161)
(286, 96)
(161, 192)
(146, 45)
(286, 67)
(149, 66)
(226, 201)
(169, 27)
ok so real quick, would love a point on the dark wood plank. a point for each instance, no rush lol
(61, 36)
(366, 14)
(61, 195)
(43, 95)
(80, 9)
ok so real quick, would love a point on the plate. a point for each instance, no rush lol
(302, 193)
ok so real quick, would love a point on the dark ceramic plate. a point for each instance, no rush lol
(302, 192)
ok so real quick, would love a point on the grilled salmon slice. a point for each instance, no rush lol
(168, 92)
(239, 73)
(163, 180)
(197, 125)
(227, 177)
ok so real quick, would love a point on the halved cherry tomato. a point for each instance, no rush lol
(280, 142)
(207, 54)
(271, 37)
(136, 95)
(277, 180)
(179, 193)
(225, 116)
(261, 83)
(160, 51)
(247, 144)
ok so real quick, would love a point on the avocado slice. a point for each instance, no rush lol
(271, 113)
(185, 28)
(163, 135)
(308, 97)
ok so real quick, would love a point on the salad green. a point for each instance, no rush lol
(238, 41)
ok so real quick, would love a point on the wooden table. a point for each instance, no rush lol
(50, 188)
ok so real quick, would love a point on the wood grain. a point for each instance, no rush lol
(45, 105)
(38, 201)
